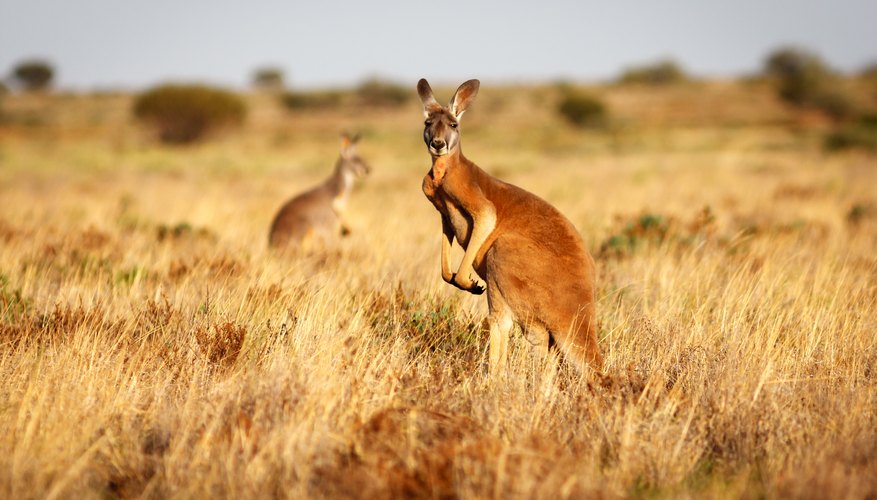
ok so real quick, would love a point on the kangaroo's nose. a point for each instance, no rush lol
(438, 143)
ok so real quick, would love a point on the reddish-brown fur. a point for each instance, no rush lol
(537, 270)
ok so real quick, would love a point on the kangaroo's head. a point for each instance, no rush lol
(350, 161)
(441, 129)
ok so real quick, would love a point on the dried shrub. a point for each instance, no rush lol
(8, 232)
(419, 451)
(65, 320)
(797, 191)
(225, 266)
(155, 315)
(270, 295)
(583, 110)
(178, 269)
(221, 344)
(659, 73)
(186, 113)
(135, 457)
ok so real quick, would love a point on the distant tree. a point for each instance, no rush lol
(659, 73)
(792, 62)
(268, 78)
(804, 80)
(800, 74)
(185, 113)
(33, 74)
(583, 110)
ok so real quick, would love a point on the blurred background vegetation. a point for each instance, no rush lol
(839, 107)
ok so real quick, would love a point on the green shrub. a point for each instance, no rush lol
(33, 74)
(802, 79)
(583, 110)
(660, 73)
(834, 103)
(13, 304)
(800, 74)
(312, 100)
(646, 229)
(859, 135)
(382, 94)
(639, 230)
(185, 113)
(860, 212)
(268, 78)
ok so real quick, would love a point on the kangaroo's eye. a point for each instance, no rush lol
(453, 124)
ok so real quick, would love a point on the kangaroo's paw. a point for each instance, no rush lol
(472, 286)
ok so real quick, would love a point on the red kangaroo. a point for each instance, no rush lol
(533, 263)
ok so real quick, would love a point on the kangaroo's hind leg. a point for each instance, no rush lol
(501, 321)
(578, 342)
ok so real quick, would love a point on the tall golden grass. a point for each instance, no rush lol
(151, 345)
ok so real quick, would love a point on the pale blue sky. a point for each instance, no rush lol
(135, 43)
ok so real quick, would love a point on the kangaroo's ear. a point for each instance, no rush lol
(425, 93)
(348, 144)
(463, 97)
(348, 139)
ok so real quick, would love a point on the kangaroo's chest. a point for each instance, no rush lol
(339, 203)
(445, 204)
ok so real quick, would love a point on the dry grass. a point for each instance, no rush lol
(151, 346)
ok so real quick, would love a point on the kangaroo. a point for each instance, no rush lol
(532, 260)
(316, 216)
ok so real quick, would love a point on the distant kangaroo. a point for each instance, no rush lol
(316, 216)
(537, 270)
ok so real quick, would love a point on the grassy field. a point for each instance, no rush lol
(152, 346)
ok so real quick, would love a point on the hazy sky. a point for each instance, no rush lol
(134, 43)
